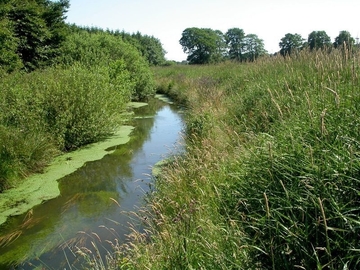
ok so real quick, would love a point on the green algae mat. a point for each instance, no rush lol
(41, 187)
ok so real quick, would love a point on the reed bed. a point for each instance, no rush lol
(270, 178)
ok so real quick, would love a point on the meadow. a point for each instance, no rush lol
(270, 178)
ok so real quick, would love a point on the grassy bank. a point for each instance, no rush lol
(271, 175)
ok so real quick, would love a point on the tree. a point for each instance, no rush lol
(39, 27)
(234, 40)
(290, 44)
(9, 59)
(319, 40)
(221, 48)
(344, 38)
(253, 47)
(54, 17)
(203, 45)
(151, 48)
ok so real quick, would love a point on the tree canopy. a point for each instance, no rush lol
(253, 47)
(36, 30)
(344, 38)
(319, 40)
(96, 47)
(290, 43)
(9, 59)
(204, 45)
(149, 46)
(32, 34)
(235, 41)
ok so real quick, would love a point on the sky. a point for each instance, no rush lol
(270, 20)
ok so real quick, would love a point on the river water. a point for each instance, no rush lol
(96, 200)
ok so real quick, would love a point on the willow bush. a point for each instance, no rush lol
(58, 109)
(103, 49)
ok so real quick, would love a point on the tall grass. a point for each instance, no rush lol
(270, 179)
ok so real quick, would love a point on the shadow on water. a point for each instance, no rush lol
(95, 200)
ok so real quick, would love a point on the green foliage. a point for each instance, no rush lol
(65, 107)
(9, 60)
(149, 47)
(203, 45)
(253, 47)
(39, 29)
(104, 49)
(271, 175)
(290, 43)
(319, 40)
(234, 40)
(87, 116)
(344, 38)
(43, 113)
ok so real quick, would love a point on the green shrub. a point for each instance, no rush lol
(103, 49)
(81, 105)
(58, 109)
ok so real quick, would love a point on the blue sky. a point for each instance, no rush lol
(269, 19)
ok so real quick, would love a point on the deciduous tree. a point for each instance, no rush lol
(203, 45)
(235, 41)
(319, 40)
(151, 48)
(290, 44)
(253, 47)
(39, 27)
(344, 38)
(9, 59)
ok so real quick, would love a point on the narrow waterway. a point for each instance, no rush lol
(96, 200)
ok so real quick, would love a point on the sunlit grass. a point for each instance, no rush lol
(270, 178)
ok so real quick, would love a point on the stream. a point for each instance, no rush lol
(96, 201)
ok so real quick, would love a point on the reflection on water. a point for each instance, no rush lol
(94, 200)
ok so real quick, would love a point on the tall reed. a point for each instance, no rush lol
(270, 179)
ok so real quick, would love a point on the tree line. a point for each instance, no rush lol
(149, 47)
(205, 45)
(292, 43)
(33, 32)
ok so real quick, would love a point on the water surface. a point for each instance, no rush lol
(95, 200)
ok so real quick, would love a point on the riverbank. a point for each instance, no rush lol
(38, 188)
(96, 199)
(43, 186)
(270, 177)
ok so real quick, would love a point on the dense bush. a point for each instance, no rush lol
(75, 102)
(54, 110)
(103, 49)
